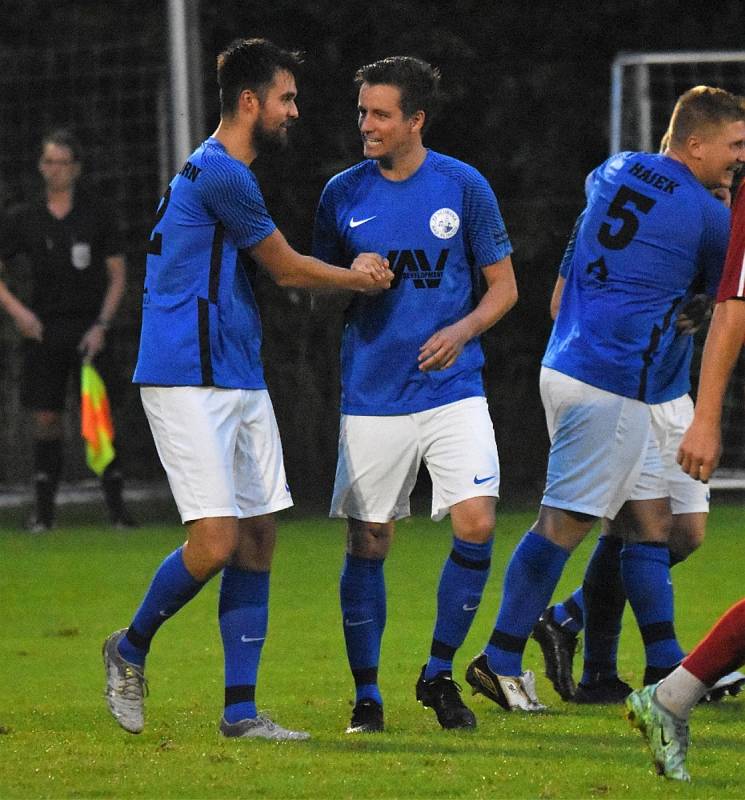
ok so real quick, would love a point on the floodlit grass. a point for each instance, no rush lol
(62, 593)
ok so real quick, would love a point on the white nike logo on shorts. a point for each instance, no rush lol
(466, 607)
(252, 639)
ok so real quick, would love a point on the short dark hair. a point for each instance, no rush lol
(63, 137)
(701, 107)
(250, 64)
(418, 82)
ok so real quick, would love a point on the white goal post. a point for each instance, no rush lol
(644, 88)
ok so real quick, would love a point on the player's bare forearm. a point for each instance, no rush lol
(289, 268)
(723, 344)
(499, 298)
(442, 349)
(699, 449)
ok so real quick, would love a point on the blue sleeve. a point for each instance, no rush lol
(714, 244)
(234, 197)
(566, 260)
(485, 232)
(326, 243)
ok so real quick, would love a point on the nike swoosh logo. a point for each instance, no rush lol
(478, 480)
(252, 638)
(354, 223)
(469, 608)
(350, 624)
(164, 614)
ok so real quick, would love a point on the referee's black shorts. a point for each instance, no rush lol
(49, 365)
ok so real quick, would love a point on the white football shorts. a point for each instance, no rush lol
(220, 449)
(598, 445)
(379, 458)
(687, 496)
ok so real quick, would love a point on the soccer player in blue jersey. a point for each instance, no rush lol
(557, 628)
(412, 388)
(203, 388)
(649, 229)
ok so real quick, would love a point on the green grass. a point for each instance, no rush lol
(61, 594)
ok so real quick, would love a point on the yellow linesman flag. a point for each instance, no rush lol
(95, 420)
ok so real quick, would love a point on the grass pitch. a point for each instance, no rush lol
(62, 593)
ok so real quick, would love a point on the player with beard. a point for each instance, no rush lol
(203, 388)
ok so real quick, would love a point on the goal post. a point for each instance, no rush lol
(644, 88)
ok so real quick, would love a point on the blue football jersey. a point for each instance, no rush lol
(437, 228)
(200, 323)
(648, 233)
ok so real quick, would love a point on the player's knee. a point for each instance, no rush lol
(369, 539)
(478, 529)
(687, 534)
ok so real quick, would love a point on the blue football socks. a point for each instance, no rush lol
(645, 568)
(243, 613)
(171, 588)
(530, 579)
(459, 593)
(570, 614)
(363, 608)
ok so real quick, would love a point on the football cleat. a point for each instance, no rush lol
(509, 691)
(558, 646)
(367, 717)
(608, 690)
(666, 735)
(126, 686)
(260, 727)
(442, 695)
(730, 684)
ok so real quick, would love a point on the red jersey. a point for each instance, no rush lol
(733, 277)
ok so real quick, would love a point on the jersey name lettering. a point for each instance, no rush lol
(654, 179)
(190, 171)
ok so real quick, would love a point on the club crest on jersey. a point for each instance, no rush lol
(444, 223)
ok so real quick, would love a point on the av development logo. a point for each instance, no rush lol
(414, 265)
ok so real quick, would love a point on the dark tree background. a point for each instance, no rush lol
(526, 102)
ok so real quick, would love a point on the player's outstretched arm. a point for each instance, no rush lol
(698, 454)
(287, 267)
(442, 349)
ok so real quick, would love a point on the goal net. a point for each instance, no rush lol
(644, 88)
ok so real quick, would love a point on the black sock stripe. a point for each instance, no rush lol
(507, 642)
(365, 676)
(241, 693)
(441, 650)
(467, 563)
(657, 632)
(137, 639)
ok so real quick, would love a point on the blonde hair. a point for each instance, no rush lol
(699, 108)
